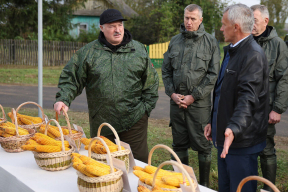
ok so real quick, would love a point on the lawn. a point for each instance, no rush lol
(160, 133)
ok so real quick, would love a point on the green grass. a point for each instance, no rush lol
(160, 133)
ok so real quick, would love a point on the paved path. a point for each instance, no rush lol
(14, 95)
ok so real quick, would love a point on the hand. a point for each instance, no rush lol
(274, 117)
(177, 98)
(229, 137)
(207, 132)
(58, 107)
(188, 100)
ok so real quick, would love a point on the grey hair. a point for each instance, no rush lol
(263, 10)
(193, 7)
(242, 15)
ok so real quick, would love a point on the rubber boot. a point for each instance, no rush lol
(204, 169)
(183, 156)
(268, 167)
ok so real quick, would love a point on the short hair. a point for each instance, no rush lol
(193, 7)
(263, 10)
(242, 15)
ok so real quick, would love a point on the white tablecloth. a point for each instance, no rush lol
(20, 173)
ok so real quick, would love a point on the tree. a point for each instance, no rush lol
(278, 12)
(20, 17)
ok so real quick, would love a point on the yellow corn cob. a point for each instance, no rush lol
(141, 174)
(47, 148)
(65, 131)
(76, 154)
(138, 168)
(174, 180)
(162, 173)
(29, 147)
(35, 120)
(158, 183)
(82, 168)
(74, 131)
(7, 124)
(55, 132)
(44, 141)
(3, 134)
(141, 188)
(31, 142)
(89, 161)
(76, 160)
(44, 136)
(85, 141)
(12, 131)
(107, 141)
(96, 170)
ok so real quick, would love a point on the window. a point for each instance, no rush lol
(83, 28)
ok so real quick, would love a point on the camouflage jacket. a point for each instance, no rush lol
(192, 60)
(120, 86)
(277, 55)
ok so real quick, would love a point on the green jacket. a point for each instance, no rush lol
(193, 60)
(120, 86)
(277, 55)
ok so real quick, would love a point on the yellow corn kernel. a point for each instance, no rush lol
(44, 141)
(44, 136)
(85, 141)
(47, 148)
(141, 188)
(29, 147)
(35, 120)
(82, 168)
(31, 142)
(55, 132)
(76, 160)
(89, 161)
(150, 169)
(107, 141)
(158, 183)
(76, 154)
(65, 131)
(12, 131)
(141, 174)
(174, 180)
(3, 134)
(138, 168)
(96, 170)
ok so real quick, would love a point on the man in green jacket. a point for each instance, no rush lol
(120, 81)
(277, 55)
(189, 71)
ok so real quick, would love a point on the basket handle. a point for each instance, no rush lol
(184, 173)
(113, 130)
(67, 120)
(3, 112)
(60, 130)
(31, 102)
(164, 147)
(249, 178)
(15, 121)
(107, 149)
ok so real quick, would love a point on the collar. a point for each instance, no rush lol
(231, 45)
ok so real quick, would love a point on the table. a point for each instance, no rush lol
(20, 173)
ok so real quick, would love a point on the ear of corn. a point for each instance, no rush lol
(55, 132)
(44, 136)
(12, 131)
(158, 183)
(47, 148)
(31, 142)
(142, 174)
(82, 168)
(76, 160)
(95, 170)
(29, 147)
(141, 188)
(107, 141)
(174, 180)
(85, 141)
(138, 168)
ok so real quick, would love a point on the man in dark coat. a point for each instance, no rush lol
(239, 117)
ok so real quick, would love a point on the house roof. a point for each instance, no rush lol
(117, 4)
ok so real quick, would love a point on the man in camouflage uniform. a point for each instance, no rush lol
(277, 55)
(120, 80)
(189, 72)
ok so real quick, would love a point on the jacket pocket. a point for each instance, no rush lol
(174, 59)
(202, 61)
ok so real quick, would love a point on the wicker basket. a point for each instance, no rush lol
(73, 136)
(184, 173)
(54, 161)
(3, 120)
(32, 126)
(249, 178)
(13, 144)
(112, 182)
(120, 154)
(178, 164)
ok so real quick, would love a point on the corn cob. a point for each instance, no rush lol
(141, 188)
(44, 136)
(3, 134)
(76, 160)
(42, 130)
(7, 124)
(89, 161)
(85, 141)
(158, 183)
(47, 148)
(96, 170)
(174, 180)
(31, 142)
(76, 154)
(55, 132)
(142, 175)
(65, 131)
(107, 141)
(82, 168)
(35, 120)
(138, 168)
(29, 147)
(162, 173)
(12, 131)
(44, 141)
